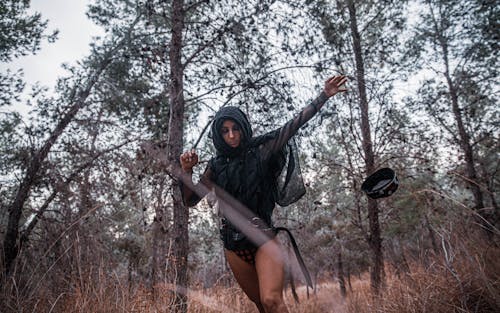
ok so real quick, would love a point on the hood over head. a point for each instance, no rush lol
(236, 115)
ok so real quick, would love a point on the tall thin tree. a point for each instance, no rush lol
(454, 40)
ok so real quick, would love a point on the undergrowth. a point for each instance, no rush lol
(464, 276)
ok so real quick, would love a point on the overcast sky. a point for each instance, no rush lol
(75, 34)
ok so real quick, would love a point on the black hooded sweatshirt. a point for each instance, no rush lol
(249, 172)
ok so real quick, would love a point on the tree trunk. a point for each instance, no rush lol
(160, 236)
(464, 138)
(349, 277)
(175, 145)
(431, 235)
(470, 169)
(340, 270)
(11, 245)
(375, 239)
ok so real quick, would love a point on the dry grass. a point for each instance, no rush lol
(112, 296)
(466, 279)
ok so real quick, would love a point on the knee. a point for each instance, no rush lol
(272, 302)
(256, 301)
(259, 305)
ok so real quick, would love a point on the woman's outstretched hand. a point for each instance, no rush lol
(335, 84)
(188, 160)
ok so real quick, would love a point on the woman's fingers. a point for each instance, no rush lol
(189, 158)
(336, 80)
(341, 84)
(335, 84)
(339, 80)
(331, 79)
(186, 157)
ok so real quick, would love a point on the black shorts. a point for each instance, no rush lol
(236, 241)
(247, 255)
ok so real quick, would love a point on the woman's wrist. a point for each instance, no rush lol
(323, 96)
(320, 100)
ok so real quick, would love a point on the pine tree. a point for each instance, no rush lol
(362, 38)
(455, 41)
(74, 101)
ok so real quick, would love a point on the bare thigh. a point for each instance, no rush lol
(270, 264)
(246, 276)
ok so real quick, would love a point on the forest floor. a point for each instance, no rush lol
(463, 278)
(325, 298)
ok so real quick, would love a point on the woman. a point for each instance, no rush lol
(247, 168)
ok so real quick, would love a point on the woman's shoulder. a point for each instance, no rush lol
(262, 139)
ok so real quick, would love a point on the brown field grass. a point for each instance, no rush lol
(113, 297)
(462, 278)
(465, 279)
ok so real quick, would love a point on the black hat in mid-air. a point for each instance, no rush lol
(380, 184)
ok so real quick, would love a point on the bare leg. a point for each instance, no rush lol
(246, 276)
(269, 264)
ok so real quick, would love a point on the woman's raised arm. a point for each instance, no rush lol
(333, 85)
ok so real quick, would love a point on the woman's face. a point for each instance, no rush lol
(231, 133)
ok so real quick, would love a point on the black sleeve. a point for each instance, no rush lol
(286, 132)
(191, 198)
